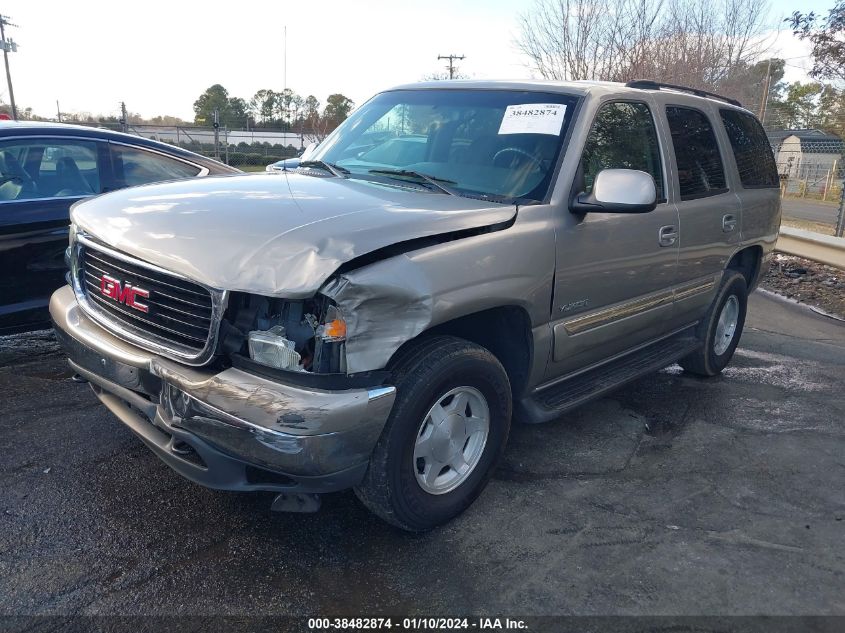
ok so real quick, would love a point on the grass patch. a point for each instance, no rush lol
(807, 225)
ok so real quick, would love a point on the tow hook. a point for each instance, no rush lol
(296, 502)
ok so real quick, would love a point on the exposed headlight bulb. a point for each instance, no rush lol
(271, 348)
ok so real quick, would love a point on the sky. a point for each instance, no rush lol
(160, 56)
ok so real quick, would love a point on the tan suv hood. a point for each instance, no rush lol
(277, 234)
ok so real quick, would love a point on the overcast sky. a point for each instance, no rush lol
(159, 56)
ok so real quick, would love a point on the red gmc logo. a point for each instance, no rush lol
(125, 294)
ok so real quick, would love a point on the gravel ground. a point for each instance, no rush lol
(807, 282)
(673, 496)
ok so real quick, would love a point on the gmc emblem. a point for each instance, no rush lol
(125, 294)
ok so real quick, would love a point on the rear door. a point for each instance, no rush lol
(41, 178)
(708, 208)
(614, 274)
(754, 163)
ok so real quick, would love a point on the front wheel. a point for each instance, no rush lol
(447, 430)
(721, 328)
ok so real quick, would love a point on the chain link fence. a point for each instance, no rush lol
(249, 150)
(811, 167)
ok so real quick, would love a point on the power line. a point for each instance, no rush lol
(451, 59)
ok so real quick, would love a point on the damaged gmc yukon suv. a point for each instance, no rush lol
(452, 256)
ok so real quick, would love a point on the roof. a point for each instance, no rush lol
(811, 141)
(576, 88)
(32, 128)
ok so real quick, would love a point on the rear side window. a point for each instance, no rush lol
(622, 137)
(751, 148)
(137, 167)
(700, 170)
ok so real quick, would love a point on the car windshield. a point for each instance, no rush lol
(496, 144)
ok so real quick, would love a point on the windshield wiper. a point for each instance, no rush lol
(434, 181)
(334, 170)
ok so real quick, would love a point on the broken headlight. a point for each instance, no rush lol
(294, 335)
(270, 347)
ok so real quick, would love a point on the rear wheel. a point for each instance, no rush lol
(447, 430)
(721, 328)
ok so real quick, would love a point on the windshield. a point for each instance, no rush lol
(497, 144)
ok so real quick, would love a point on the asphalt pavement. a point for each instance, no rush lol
(810, 210)
(675, 495)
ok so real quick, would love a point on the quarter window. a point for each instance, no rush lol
(752, 151)
(48, 168)
(700, 170)
(138, 167)
(622, 137)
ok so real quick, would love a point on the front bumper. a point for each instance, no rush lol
(226, 429)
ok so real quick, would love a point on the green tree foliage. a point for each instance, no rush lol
(263, 105)
(808, 106)
(214, 98)
(827, 37)
(232, 111)
(286, 110)
(337, 109)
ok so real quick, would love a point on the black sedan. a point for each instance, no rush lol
(44, 169)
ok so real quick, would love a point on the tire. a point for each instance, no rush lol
(718, 349)
(424, 376)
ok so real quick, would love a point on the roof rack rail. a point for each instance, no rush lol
(647, 84)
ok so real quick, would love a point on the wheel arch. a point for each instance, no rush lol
(748, 261)
(505, 331)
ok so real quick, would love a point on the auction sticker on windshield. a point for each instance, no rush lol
(533, 118)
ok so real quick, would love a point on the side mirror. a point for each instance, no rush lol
(618, 191)
(308, 151)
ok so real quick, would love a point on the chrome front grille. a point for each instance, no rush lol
(137, 301)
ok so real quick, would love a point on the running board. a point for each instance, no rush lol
(549, 403)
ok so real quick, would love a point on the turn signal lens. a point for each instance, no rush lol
(334, 330)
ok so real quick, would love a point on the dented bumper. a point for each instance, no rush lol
(227, 429)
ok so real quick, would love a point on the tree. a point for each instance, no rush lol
(214, 98)
(236, 112)
(284, 105)
(747, 83)
(312, 110)
(801, 103)
(264, 105)
(827, 37)
(337, 109)
(232, 111)
(687, 42)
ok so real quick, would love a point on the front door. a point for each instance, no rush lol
(614, 271)
(40, 179)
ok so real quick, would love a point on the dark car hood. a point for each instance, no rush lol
(282, 234)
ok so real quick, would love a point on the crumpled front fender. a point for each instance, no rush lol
(385, 305)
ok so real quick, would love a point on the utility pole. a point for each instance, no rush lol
(764, 99)
(58, 111)
(285, 76)
(451, 59)
(124, 120)
(7, 47)
(216, 125)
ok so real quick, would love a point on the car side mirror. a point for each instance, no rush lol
(618, 191)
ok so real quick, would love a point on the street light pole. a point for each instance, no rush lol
(4, 21)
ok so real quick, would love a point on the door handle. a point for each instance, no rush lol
(667, 235)
(728, 223)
